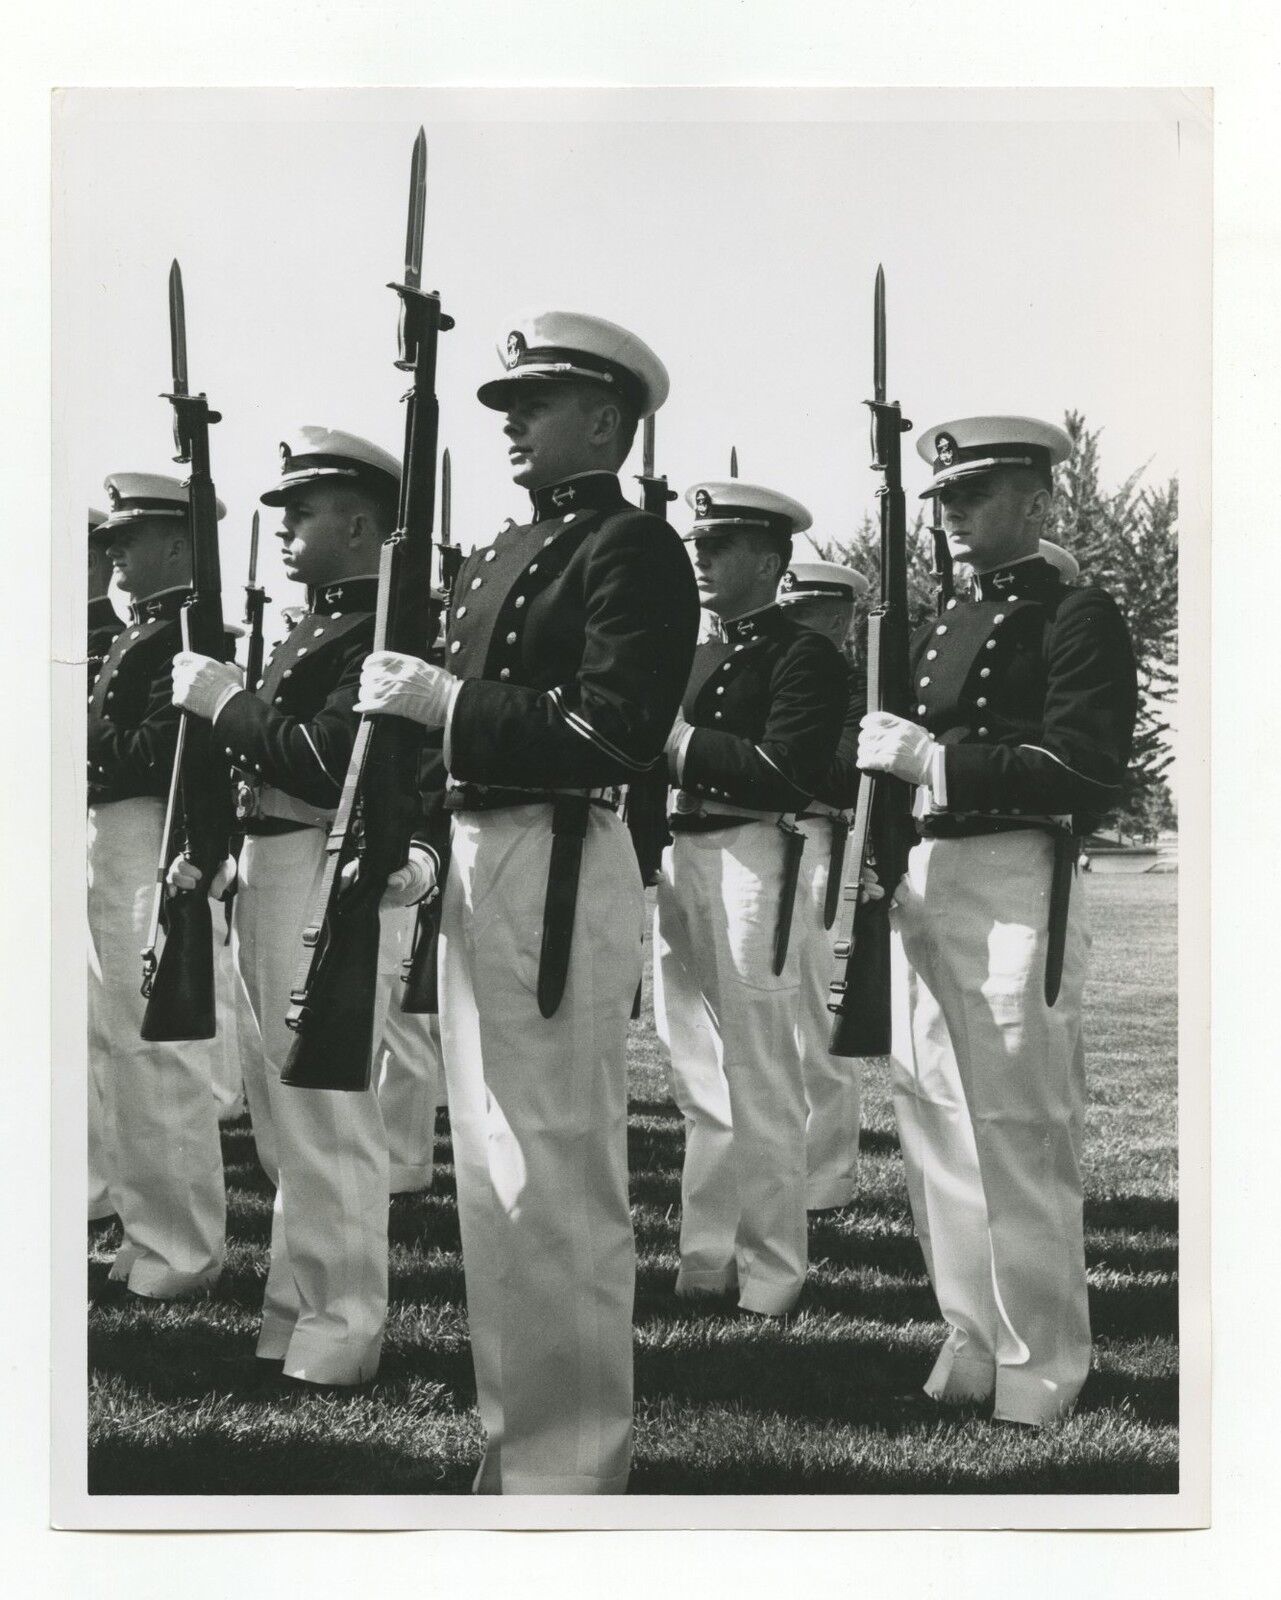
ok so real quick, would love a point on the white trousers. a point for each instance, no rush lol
(100, 1207)
(833, 1084)
(158, 1126)
(407, 1072)
(730, 1027)
(228, 1081)
(538, 1113)
(989, 1091)
(326, 1151)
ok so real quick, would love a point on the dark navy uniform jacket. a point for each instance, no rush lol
(767, 704)
(573, 635)
(104, 630)
(840, 784)
(1031, 686)
(295, 732)
(133, 723)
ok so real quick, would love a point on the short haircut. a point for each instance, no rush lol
(591, 395)
(1029, 479)
(379, 501)
(770, 542)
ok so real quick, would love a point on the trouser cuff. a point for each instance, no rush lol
(703, 1281)
(824, 1196)
(960, 1375)
(159, 1283)
(328, 1363)
(408, 1180)
(769, 1299)
(1020, 1397)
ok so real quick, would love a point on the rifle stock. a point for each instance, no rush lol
(334, 995)
(180, 986)
(882, 834)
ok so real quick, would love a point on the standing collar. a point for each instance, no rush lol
(581, 491)
(165, 603)
(1028, 573)
(751, 625)
(344, 594)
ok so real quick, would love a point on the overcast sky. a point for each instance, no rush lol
(1042, 250)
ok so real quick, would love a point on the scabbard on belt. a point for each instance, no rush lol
(1061, 871)
(793, 848)
(569, 828)
(835, 867)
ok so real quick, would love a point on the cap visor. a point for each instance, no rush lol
(963, 469)
(496, 392)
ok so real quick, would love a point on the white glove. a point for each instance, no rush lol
(201, 684)
(674, 749)
(184, 874)
(893, 744)
(408, 884)
(872, 889)
(405, 686)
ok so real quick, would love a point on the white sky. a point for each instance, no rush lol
(1043, 250)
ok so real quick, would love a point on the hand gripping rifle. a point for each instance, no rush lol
(180, 986)
(420, 995)
(882, 834)
(334, 992)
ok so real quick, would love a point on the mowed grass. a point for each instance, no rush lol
(828, 1402)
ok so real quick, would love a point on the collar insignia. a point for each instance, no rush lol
(564, 494)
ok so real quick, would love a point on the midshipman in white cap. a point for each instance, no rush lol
(289, 738)
(759, 724)
(568, 643)
(1021, 728)
(822, 595)
(156, 1113)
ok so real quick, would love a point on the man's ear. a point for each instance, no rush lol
(1038, 506)
(606, 422)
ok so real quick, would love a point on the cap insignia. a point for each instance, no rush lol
(789, 581)
(113, 494)
(516, 347)
(702, 503)
(286, 455)
(945, 448)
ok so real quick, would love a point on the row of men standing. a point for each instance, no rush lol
(570, 670)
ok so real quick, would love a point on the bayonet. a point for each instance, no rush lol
(177, 330)
(446, 497)
(733, 461)
(415, 225)
(253, 553)
(878, 338)
(647, 448)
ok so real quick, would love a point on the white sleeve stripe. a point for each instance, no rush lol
(1084, 776)
(337, 782)
(585, 730)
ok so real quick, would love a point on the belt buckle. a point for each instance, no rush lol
(687, 805)
(248, 800)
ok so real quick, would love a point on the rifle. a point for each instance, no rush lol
(942, 573)
(334, 992)
(180, 986)
(256, 597)
(420, 995)
(882, 833)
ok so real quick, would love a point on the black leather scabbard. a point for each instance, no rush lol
(569, 828)
(793, 848)
(835, 867)
(1064, 865)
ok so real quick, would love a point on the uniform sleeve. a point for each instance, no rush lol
(304, 757)
(1079, 761)
(787, 765)
(610, 722)
(840, 787)
(139, 758)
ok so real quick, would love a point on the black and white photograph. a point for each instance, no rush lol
(618, 870)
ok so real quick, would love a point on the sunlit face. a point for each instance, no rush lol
(547, 434)
(988, 520)
(148, 555)
(734, 574)
(317, 524)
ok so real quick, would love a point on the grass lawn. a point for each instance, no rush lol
(828, 1403)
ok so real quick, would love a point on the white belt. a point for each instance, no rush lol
(276, 803)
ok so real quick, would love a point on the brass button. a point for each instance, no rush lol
(942, 628)
(476, 582)
(998, 619)
(317, 633)
(985, 672)
(511, 638)
(981, 701)
(921, 710)
(717, 715)
(925, 680)
(455, 648)
(982, 733)
(720, 689)
(301, 650)
(520, 601)
(931, 655)
(505, 674)
(533, 566)
(461, 612)
(491, 555)
(990, 645)
(951, 605)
